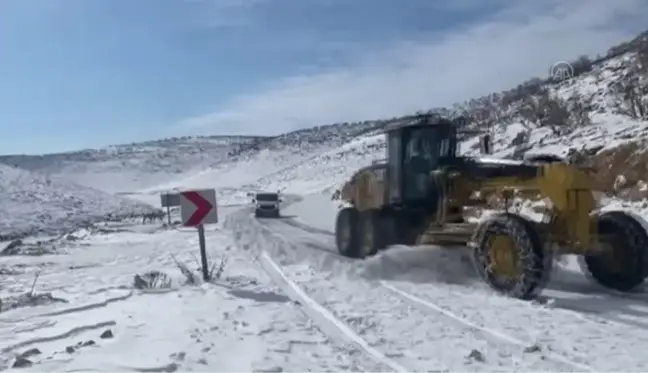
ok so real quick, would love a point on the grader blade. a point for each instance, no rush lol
(447, 234)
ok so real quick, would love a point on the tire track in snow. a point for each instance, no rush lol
(428, 306)
(407, 335)
(316, 241)
(490, 333)
(298, 224)
(413, 337)
(328, 324)
(324, 317)
(583, 340)
(65, 335)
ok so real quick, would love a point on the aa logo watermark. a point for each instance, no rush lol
(561, 71)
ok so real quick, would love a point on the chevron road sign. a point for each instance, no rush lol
(197, 208)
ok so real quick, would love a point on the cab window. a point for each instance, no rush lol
(267, 197)
(423, 144)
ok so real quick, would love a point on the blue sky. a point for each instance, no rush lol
(88, 73)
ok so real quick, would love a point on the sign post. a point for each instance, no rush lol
(203, 252)
(197, 208)
(169, 200)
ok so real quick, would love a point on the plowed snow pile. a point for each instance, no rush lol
(32, 203)
(414, 264)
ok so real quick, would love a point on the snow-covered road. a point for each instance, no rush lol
(413, 334)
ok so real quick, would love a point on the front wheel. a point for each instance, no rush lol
(509, 256)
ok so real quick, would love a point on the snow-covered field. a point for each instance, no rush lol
(34, 203)
(242, 321)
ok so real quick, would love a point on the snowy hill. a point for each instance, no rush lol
(125, 168)
(32, 203)
(159, 165)
(250, 164)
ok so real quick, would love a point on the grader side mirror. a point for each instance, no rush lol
(485, 144)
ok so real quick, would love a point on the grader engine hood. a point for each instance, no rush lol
(489, 168)
(499, 161)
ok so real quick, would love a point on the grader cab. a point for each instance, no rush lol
(419, 195)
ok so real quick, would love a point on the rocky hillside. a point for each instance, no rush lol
(598, 118)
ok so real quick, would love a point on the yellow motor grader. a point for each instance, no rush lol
(418, 195)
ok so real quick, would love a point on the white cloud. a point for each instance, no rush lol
(522, 40)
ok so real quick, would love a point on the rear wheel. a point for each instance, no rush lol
(372, 234)
(622, 264)
(346, 232)
(510, 257)
(359, 234)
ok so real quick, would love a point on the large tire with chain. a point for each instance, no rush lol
(509, 255)
(623, 263)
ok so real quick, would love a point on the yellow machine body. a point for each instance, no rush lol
(567, 191)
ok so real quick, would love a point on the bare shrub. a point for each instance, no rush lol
(152, 280)
(29, 299)
(631, 97)
(195, 277)
(554, 112)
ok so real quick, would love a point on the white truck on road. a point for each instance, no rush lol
(267, 205)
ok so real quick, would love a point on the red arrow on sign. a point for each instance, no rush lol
(203, 207)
